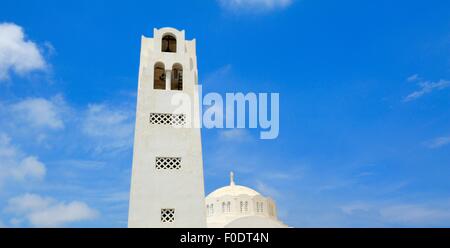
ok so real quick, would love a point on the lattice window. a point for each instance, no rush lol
(246, 206)
(167, 215)
(167, 119)
(242, 207)
(163, 163)
(223, 207)
(259, 207)
(210, 209)
(228, 207)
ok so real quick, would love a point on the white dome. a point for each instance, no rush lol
(232, 203)
(233, 190)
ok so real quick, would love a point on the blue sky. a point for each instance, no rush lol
(364, 107)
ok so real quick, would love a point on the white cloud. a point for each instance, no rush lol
(355, 207)
(438, 142)
(16, 166)
(47, 212)
(254, 5)
(6, 149)
(425, 87)
(29, 167)
(82, 164)
(106, 127)
(415, 215)
(28, 202)
(16, 53)
(235, 135)
(267, 190)
(403, 214)
(40, 112)
(122, 196)
(413, 78)
(219, 76)
(111, 128)
(62, 214)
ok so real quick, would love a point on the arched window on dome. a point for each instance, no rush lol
(223, 207)
(159, 77)
(169, 44)
(177, 77)
(212, 209)
(207, 210)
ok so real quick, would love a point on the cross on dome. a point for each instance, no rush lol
(232, 179)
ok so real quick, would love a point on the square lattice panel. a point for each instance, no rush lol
(167, 119)
(164, 163)
(167, 215)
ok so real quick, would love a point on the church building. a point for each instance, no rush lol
(167, 184)
(236, 206)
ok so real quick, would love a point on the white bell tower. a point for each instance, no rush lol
(167, 188)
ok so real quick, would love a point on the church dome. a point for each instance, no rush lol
(233, 190)
(240, 206)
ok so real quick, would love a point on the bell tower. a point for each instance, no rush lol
(167, 188)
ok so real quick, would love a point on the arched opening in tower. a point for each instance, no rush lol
(159, 81)
(177, 77)
(169, 44)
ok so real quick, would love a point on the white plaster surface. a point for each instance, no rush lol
(260, 212)
(152, 189)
